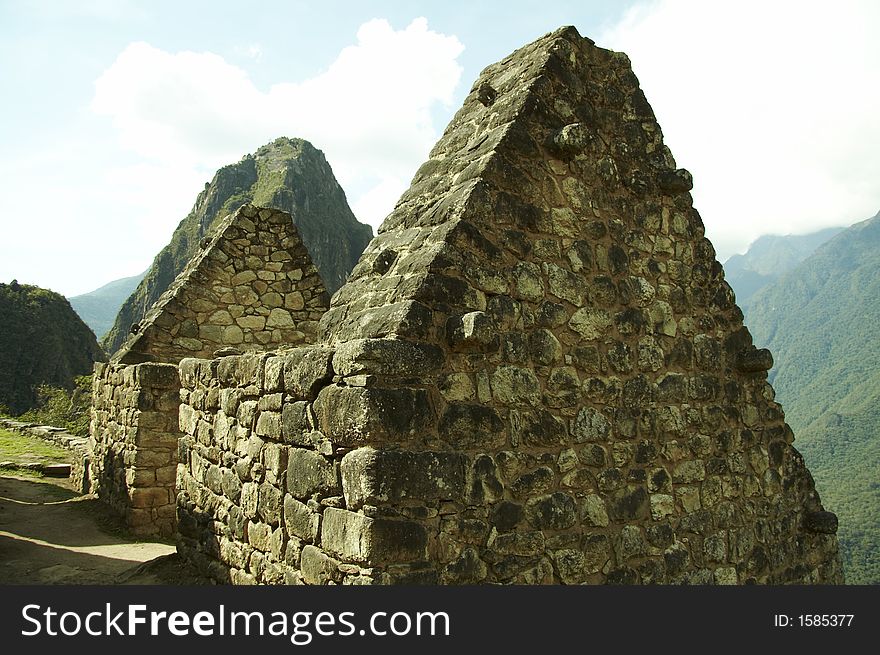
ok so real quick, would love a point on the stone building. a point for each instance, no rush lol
(252, 285)
(535, 374)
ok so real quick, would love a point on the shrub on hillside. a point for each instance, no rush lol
(62, 408)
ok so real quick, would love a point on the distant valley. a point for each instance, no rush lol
(98, 308)
(768, 258)
(814, 301)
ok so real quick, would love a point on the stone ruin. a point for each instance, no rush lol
(535, 374)
(251, 286)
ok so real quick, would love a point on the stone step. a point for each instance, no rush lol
(56, 470)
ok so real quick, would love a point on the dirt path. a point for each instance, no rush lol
(51, 535)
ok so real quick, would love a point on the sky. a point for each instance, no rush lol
(116, 112)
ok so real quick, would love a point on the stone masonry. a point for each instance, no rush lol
(535, 374)
(253, 284)
(133, 443)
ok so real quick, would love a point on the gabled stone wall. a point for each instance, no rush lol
(253, 285)
(580, 351)
(538, 373)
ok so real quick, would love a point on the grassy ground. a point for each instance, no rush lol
(22, 448)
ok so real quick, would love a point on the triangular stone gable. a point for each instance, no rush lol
(252, 287)
(540, 366)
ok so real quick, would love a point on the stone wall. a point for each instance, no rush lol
(252, 285)
(133, 442)
(590, 361)
(535, 374)
(255, 477)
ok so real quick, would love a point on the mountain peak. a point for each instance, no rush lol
(287, 174)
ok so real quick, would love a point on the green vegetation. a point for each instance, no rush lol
(62, 408)
(770, 257)
(42, 342)
(18, 447)
(843, 453)
(822, 323)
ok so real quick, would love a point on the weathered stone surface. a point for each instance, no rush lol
(301, 521)
(354, 416)
(512, 385)
(317, 568)
(395, 357)
(555, 512)
(379, 476)
(821, 522)
(295, 422)
(361, 539)
(677, 181)
(309, 473)
(306, 371)
(269, 504)
(269, 425)
(468, 426)
(573, 139)
(537, 375)
(473, 332)
(755, 360)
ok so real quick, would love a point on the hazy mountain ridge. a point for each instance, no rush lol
(769, 257)
(287, 174)
(42, 341)
(99, 308)
(821, 320)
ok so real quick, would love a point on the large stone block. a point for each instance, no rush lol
(300, 520)
(306, 371)
(754, 360)
(158, 376)
(317, 568)
(473, 332)
(188, 372)
(295, 422)
(409, 317)
(358, 538)
(269, 425)
(354, 416)
(537, 428)
(269, 504)
(394, 357)
(382, 476)
(310, 473)
(242, 370)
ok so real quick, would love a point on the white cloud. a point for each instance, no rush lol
(379, 200)
(370, 111)
(771, 105)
